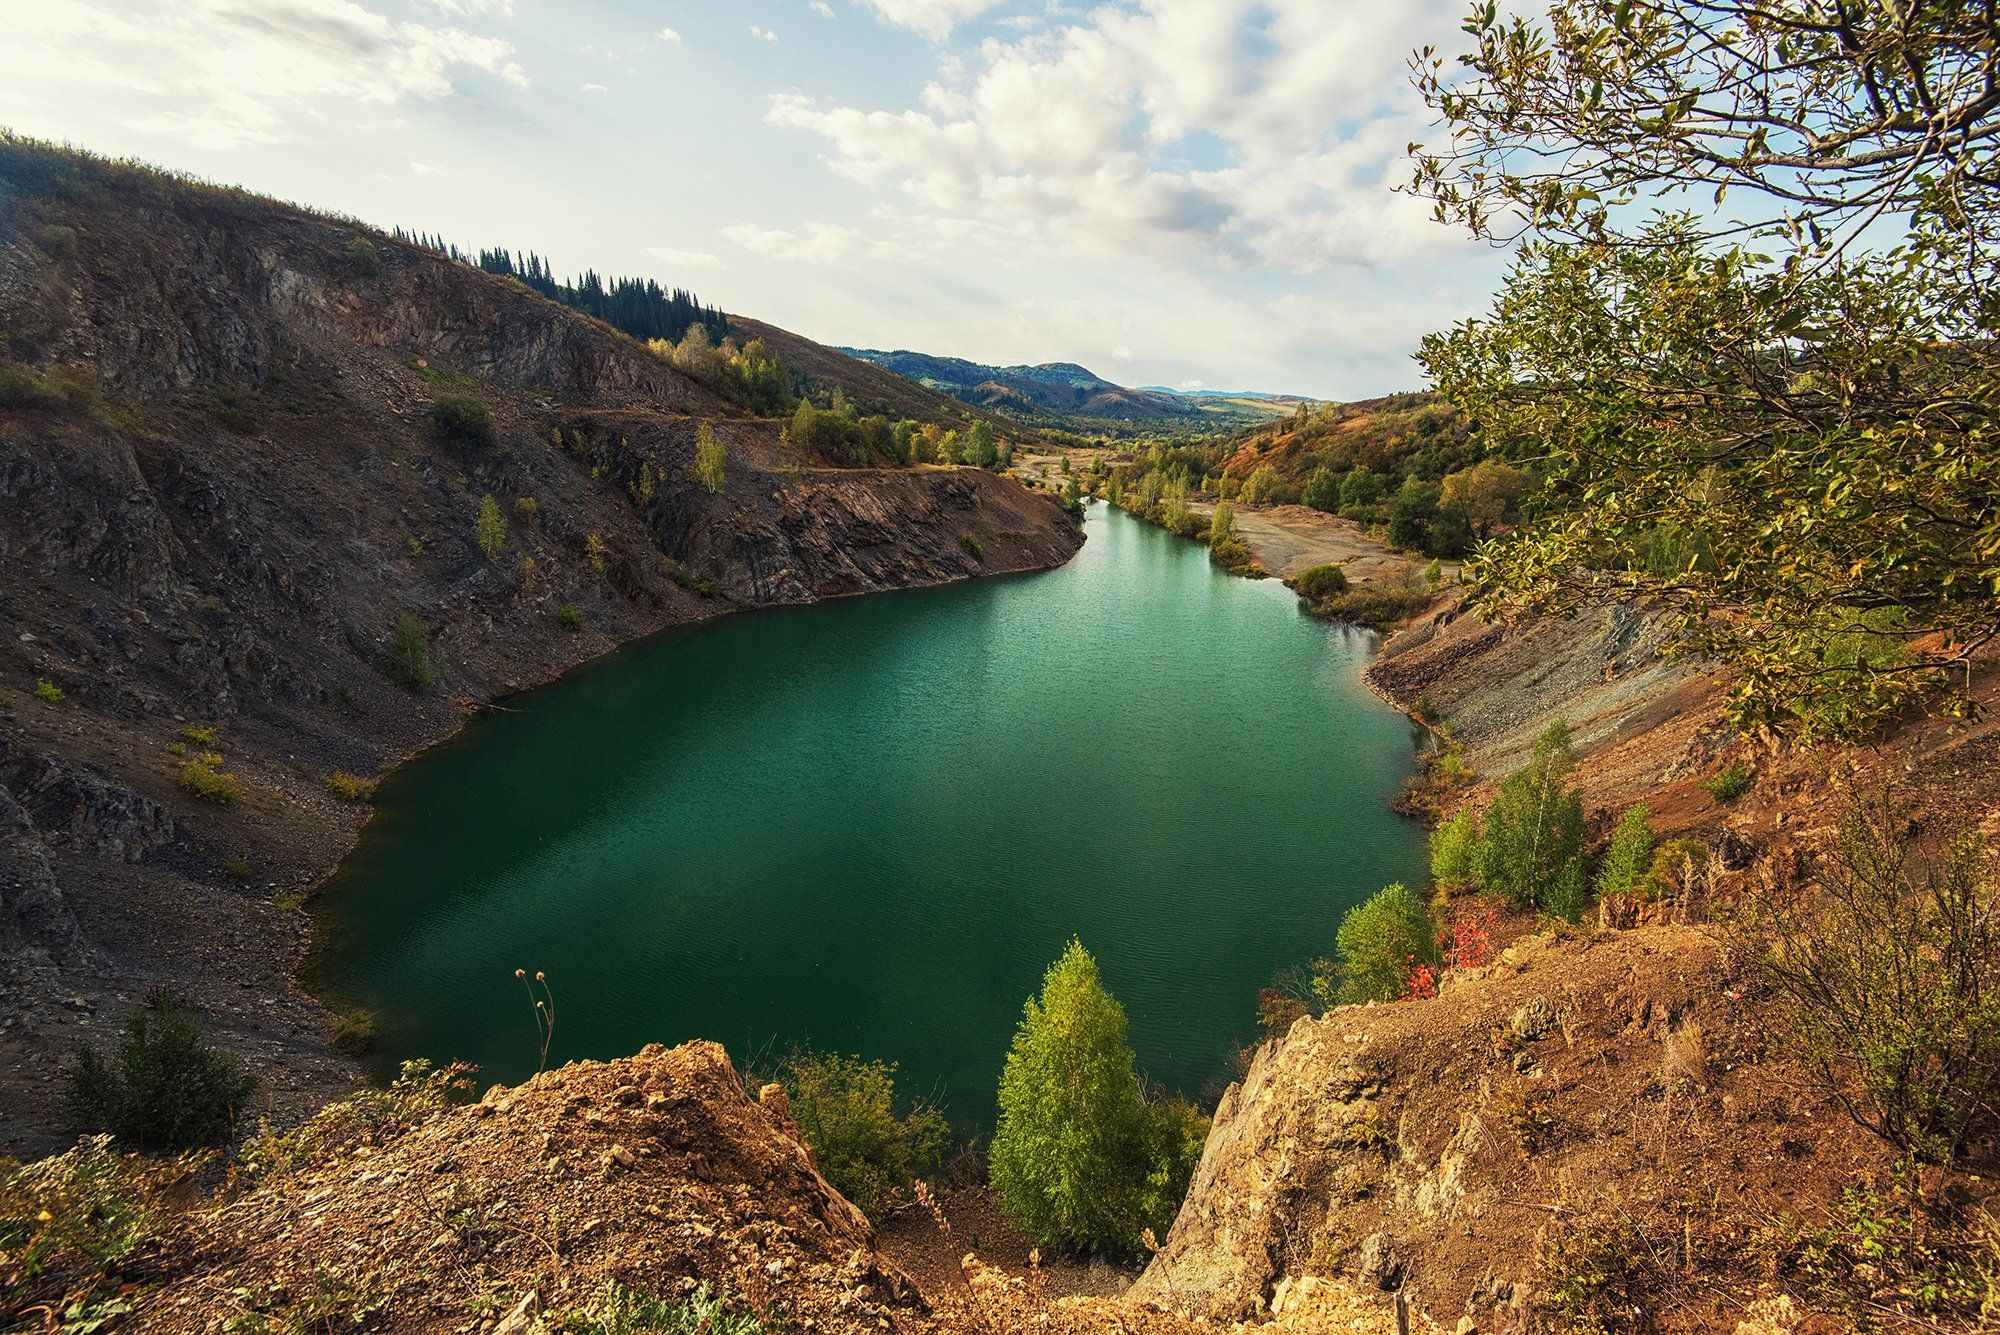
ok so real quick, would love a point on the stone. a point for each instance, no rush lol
(1534, 1019)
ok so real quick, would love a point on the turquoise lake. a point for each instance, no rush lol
(870, 825)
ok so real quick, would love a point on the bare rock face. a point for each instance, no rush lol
(32, 912)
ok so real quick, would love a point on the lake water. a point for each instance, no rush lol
(870, 825)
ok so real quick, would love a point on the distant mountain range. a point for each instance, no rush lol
(1075, 398)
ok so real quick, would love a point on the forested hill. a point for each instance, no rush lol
(1066, 396)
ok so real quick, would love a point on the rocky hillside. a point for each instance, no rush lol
(221, 491)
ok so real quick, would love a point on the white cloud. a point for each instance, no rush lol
(471, 8)
(685, 259)
(224, 73)
(933, 18)
(595, 88)
(814, 243)
(669, 35)
(1262, 132)
(763, 34)
(822, 8)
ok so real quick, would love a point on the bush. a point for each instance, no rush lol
(79, 1206)
(58, 240)
(711, 458)
(569, 618)
(204, 777)
(410, 655)
(352, 1032)
(1079, 1161)
(196, 734)
(846, 1108)
(350, 787)
(1328, 581)
(1627, 868)
(618, 1310)
(363, 257)
(1455, 853)
(47, 691)
(972, 547)
(1892, 975)
(1728, 783)
(460, 419)
(1532, 852)
(170, 1088)
(1381, 944)
(75, 388)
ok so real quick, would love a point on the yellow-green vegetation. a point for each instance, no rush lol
(350, 787)
(364, 257)
(710, 458)
(618, 1310)
(1834, 307)
(1080, 1160)
(196, 734)
(867, 1145)
(48, 692)
(165, 1087)
(1627, 868)
(569, 618)
(57, 389)
(352, 1031)
(410, 655)
(1728, 783)
(77, 1214)
(490, 527)
(1319, 582)
(1381, 943)
(202, 775)
(971, 547)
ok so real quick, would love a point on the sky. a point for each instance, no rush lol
(1194, 193)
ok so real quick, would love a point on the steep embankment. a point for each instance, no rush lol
(219, 494)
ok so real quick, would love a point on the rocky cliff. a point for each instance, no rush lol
(220, 491)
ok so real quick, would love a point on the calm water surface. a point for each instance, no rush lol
(871, 824)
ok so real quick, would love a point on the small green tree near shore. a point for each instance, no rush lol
(1532, 852)
(1381, 943)
(1081, 1162)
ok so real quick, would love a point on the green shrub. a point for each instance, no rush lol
(1532, 852)
(48, 692)
(169, 1088)
(204, 777)
(1728, 783)
(58, 240)
(569, 618)
(78, 1206)
(363, 257)
(460, 419)
(352, 1031)
(972, 547)
(525, 510)
(711, 458)
(1079, 1162)
(618, 1310)
(350, 787)
(1627, 868)
(1892, 977)
(1455, 852)
(74, 388)
(847, 1109)
(1328, 581)
(410, 655)
(1380, 943)
(196, 734)
(1237, 559)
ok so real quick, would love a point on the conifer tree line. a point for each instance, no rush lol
(636, 306)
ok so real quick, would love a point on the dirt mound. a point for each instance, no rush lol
(658, 1172)
(1581, 1123)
